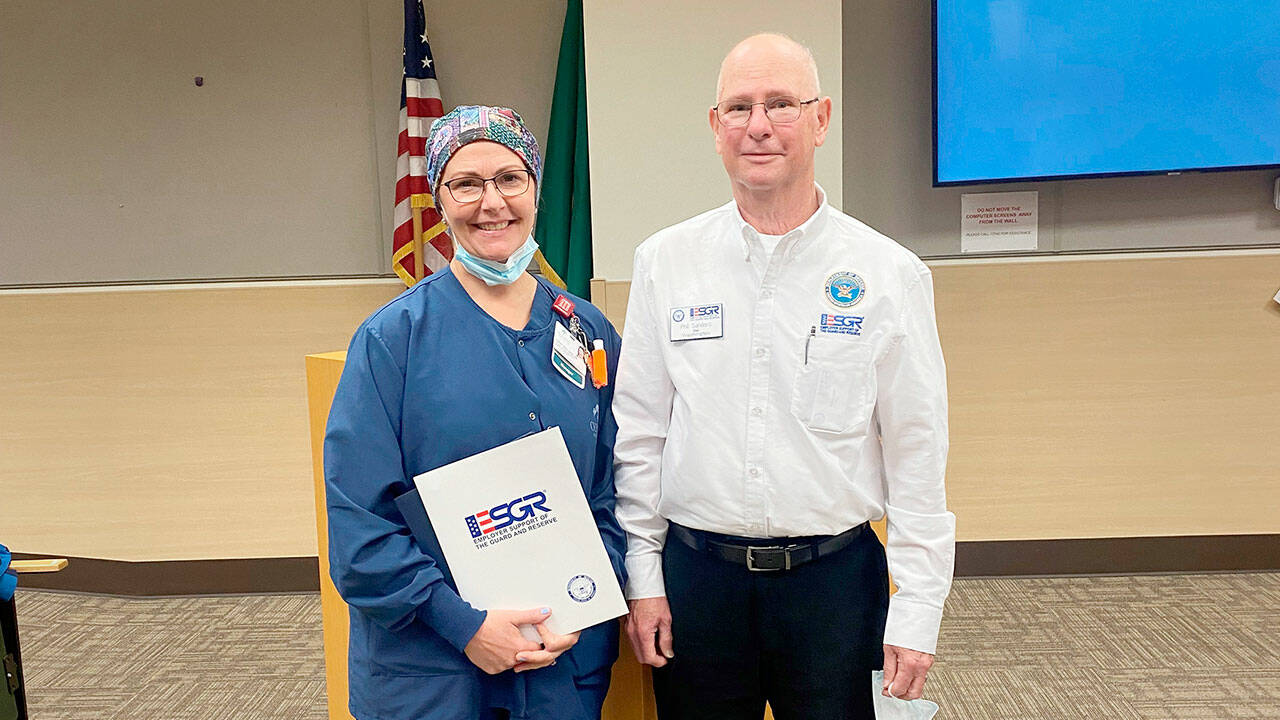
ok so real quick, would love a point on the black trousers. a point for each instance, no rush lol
(804, 640)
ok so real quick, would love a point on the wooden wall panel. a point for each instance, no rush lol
(165, 424)
(1113, 398)
(1116, 397)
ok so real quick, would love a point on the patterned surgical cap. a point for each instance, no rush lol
(469, 123)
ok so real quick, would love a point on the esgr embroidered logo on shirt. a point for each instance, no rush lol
(840, 324)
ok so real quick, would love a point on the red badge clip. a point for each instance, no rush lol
(563, 307)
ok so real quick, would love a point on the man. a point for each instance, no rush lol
(780, 384)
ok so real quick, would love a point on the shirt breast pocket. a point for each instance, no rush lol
(835, 390)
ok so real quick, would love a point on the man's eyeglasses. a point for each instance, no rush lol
(781, 109)
(509, 183)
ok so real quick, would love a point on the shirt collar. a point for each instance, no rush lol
(793, 239)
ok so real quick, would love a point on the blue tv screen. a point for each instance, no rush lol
(1041, 89)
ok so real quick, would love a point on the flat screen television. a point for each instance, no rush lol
(1051, 89)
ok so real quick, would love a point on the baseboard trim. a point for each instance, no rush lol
(1121, 555)
(178, 577)
(1000, 558)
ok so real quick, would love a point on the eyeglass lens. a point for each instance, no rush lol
(470, 189)
(778, 109)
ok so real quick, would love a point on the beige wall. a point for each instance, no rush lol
(651, 76)
(115, 166)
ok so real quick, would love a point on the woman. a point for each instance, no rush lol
(458, 364)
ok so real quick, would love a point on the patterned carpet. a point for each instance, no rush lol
(1148, 647)
(173, 659)
(1203, 647)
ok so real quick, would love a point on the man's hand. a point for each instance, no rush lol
(649, 628)
(552, 646)
(904, 672)
(495, 645)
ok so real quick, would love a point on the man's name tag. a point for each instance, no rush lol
(697, 322)
(566, 356)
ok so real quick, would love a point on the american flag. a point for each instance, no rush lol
(419, 106)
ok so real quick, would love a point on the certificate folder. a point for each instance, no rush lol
(517, 533)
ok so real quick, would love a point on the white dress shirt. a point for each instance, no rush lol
(822, 404)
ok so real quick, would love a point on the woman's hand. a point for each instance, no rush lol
(498, 645)
(553, 645)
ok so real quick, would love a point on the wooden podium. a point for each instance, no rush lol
(631, 691)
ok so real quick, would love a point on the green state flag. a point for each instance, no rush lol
(564, 214)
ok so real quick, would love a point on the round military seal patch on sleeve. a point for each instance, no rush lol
(582, 588)
(845, 289)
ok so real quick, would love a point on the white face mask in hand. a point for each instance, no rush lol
(890, 708)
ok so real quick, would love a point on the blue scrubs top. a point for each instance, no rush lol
(431, 378)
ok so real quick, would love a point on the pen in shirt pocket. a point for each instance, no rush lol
(813, 330)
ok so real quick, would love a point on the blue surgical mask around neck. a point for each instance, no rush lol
(497, 273)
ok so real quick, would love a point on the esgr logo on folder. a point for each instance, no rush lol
(510, 519)
(517, 531)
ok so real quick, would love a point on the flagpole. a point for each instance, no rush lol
(419, 271)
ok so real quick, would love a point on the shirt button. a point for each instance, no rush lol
(755, 472)
(766, 294)
(756, 411)
(533, 416)
(520, 343)
(760, 352)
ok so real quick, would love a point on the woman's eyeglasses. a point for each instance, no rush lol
(508, 183)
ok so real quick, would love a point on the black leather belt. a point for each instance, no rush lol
(767, 554)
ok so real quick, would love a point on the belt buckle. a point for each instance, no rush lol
(751, 563)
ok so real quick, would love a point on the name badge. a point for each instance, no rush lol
(566, 357)
(697, 322)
